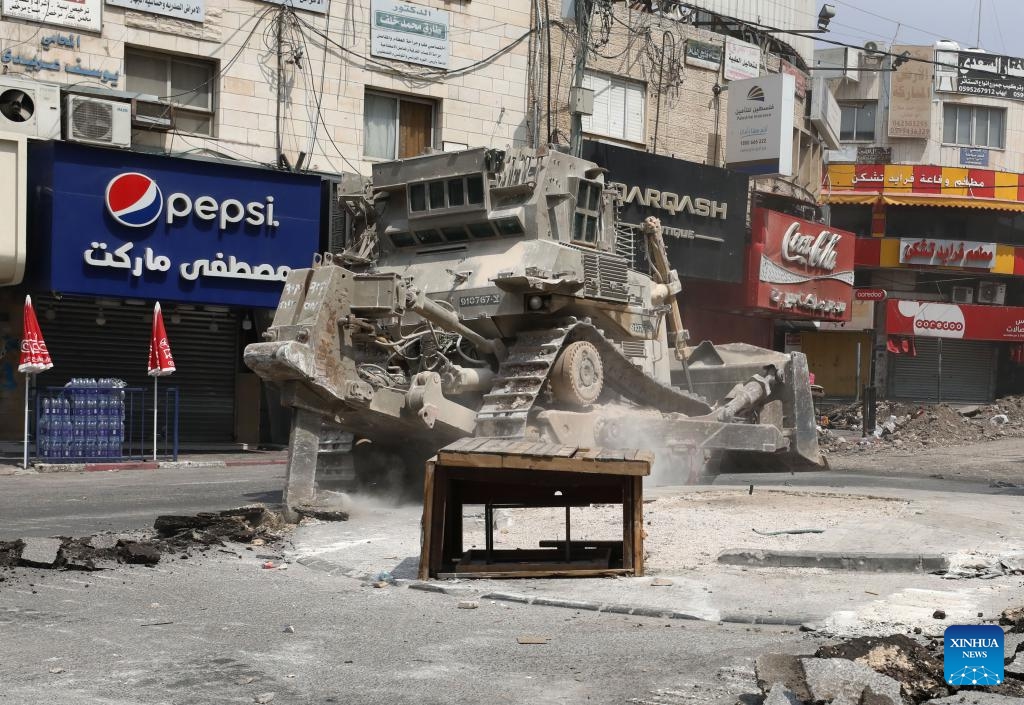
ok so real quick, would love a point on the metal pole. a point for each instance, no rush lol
(859, 365)
(155, 378)
(28, 383)
(582, 23)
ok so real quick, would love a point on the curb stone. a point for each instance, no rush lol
(147, 465)
(869, 562)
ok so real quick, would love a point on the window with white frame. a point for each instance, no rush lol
(185, 88)
(973, 125)
(857, 121)
(397, 126)
(618, 107)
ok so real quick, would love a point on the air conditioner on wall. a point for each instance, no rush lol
(151, 114)
(963, 294)
(29, 108)
(992, 293)
(98, 121)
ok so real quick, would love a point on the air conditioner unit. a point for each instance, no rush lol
(29, 108)
(152, 115)
(963, 294)
(992, 293)
(874, 52)
(98, 121)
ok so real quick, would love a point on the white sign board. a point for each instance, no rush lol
(742, 60)
(310, 5)
(862, 318)
(411, 33)
(191, 10)
(78, 14)
(947, 253)
(825, 113)
(13, 202)
(759, 138)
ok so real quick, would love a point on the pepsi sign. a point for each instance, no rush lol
(125, 224)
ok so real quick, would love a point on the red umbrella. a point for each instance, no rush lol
(160, 360)
(35, 358)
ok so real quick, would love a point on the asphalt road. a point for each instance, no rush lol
(82, 503)
(212, 630)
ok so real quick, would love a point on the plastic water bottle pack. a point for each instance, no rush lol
(84, 421)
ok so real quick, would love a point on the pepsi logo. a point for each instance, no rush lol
(134, 200)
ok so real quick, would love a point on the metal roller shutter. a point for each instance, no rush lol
(968, 371)
(204, 344)
(957, 371)
(916, 378)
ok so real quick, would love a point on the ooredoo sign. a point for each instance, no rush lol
(941, 320)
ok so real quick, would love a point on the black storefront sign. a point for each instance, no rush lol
(990, 75)
(703, 209)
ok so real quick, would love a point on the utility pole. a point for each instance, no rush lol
(582, 12)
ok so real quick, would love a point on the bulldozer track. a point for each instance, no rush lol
(523, 374)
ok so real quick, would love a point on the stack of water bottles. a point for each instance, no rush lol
(84, 420)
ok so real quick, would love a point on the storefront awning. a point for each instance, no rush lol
(919, 199)
(850, 198)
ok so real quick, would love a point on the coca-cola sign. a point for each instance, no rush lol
(800, 268)
(811, 251)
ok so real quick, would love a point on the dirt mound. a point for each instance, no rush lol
(911, 427)
(918, 670)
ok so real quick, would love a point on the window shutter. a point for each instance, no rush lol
(598, 122)
(617, 110)
(635, 112)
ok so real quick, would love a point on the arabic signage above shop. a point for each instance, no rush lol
(911, 94)
(963, 321)
(984, 74)
(702, 209)
(704, 55)
(896, 180)
(410, 33)
(800, 268)
(973, 156)
(132, 225)
(947, 253)
(77, 14)
(27, 60)
(742, 60)
(191, 10)
(759, 133)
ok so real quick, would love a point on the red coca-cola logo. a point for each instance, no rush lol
(33, 347)
(938, 325)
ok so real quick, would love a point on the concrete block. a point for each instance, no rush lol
(975, 697)
(1015, 669)
(829, 560)
(781, 695)
(781, 668)
(40, 552)
(841, 681)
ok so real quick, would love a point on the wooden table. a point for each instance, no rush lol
(512, 474)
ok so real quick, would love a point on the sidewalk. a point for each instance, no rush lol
(213, 459)
(688, 528)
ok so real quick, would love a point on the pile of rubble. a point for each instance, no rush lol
(174, 535)
(892, 670)
(912, 427)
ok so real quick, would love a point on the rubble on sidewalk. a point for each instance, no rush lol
(911, 427)
(898, 657)
(175, 535)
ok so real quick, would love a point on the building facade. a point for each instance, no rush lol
(929, 176)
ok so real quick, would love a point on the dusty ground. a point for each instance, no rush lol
(689, 531)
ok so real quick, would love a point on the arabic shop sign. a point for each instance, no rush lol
(704, 55)
(39, 62)
(146, 226)
(78, 14)
(800, 267)
(742, 60)
(965, 321)
(984, 74)
(905, 179)
(759, 134)
(411, 33)
(191, 10)
(973, 156)
(948, 253)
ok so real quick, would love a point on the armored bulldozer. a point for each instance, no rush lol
(495, 294)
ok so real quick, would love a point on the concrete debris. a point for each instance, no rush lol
(786, 669)
(10, 552)
(289, 629)
(780, 695)
(661, 582)
(1015, 669)
(40, 552)
(975, 698)
(468, 604)
(1013, 617)
(843, 682)
(139, 552)
(102, 542)
(939, 614)
(899, 657)
(264, 698)
(243, 525)
(916, 426)
(56, 669)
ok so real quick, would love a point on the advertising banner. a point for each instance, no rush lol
(911, 103)
(191, 10)
(407, 32)
(742, 60)
(962, 321)
(759, 132)
(132, 225)
(800, 268)
(77, 14)
(990, 75)
(704, 55)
